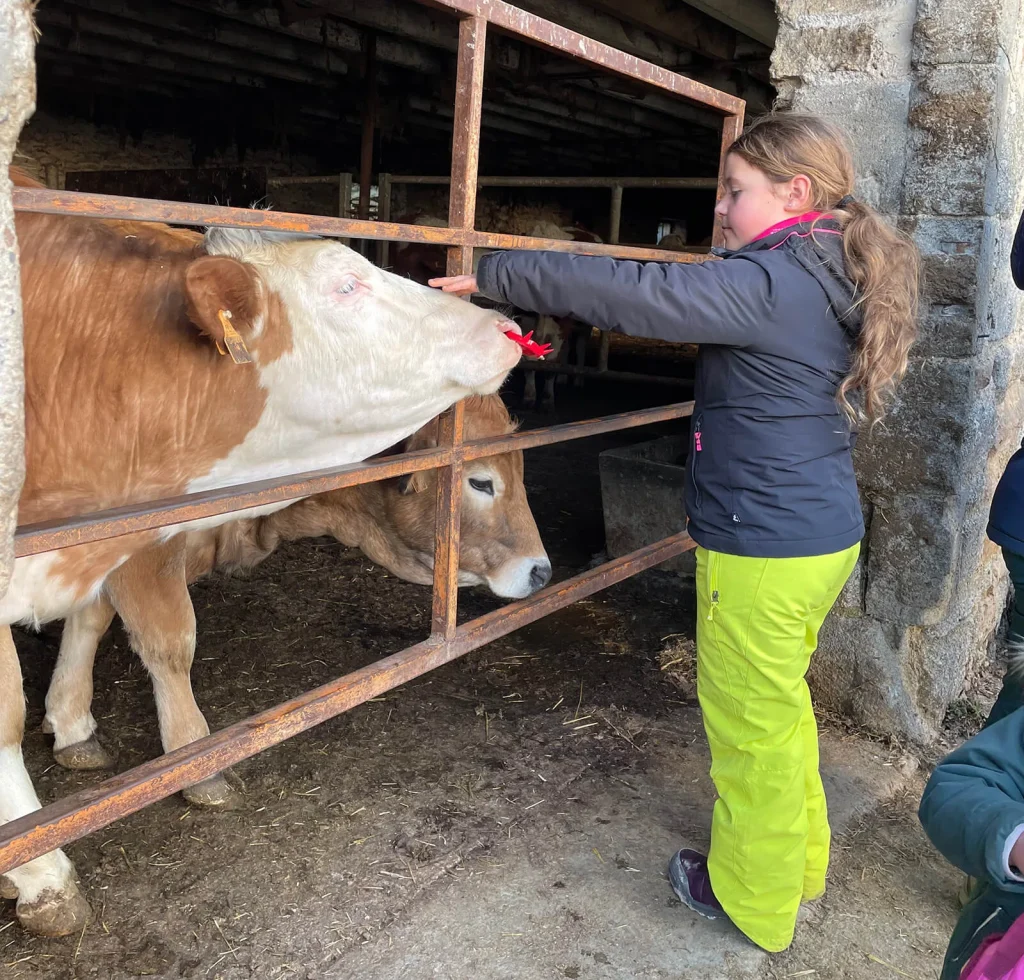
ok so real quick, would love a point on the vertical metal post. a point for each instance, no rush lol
(614, 227)
(369, 128)
(345, 201)
(732, 126)
(383, 214)
(615, 215)
(469, 90)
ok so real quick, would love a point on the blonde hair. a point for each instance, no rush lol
(882, 262)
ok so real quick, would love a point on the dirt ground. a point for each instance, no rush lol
(509, 815)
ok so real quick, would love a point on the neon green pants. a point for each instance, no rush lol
(757, 626)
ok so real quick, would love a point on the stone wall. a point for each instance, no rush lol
(17, 100)
(928, 93)
(52, 145)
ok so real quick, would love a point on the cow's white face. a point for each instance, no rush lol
(369, 357)
(367, 346)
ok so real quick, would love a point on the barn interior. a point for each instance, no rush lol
(288, 104)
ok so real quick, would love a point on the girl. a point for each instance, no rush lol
(804, 327)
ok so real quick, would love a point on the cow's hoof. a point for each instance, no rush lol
(84, 755)
(55, 913)
(217, 793)
(547, 407)
(8, 890)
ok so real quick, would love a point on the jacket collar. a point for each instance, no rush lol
(816, 242)
(802, 226)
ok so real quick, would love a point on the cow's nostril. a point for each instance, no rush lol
(540, 575)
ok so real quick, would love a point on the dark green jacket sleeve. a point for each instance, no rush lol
(725, 302)
(974, 801)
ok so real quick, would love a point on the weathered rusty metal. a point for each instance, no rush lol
(557, 38)
(665, 183)
(90, 809)
(76, 815)
(46, 201)
(732, 126)
(469, 91)
(448, 514)
(66, 532)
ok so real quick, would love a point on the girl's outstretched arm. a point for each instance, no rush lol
(714, 302)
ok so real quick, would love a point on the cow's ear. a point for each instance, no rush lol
(413, 482)
(424, 438)
(226, 302)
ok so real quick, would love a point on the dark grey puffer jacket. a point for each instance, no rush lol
(771, 473)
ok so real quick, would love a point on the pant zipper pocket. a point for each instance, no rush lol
(713, 559)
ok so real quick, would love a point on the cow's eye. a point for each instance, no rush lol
(483, 486)
(348, 286)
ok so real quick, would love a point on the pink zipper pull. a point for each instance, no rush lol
(696, 441)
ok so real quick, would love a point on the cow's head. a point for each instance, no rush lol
(341, 346)
(500, 546)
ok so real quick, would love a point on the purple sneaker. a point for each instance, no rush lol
(689, 878)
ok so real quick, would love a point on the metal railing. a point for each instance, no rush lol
(89, 809)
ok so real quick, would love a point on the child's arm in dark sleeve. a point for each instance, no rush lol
(715, 302)
(973, 806)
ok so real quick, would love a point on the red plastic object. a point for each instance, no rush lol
(530, 346)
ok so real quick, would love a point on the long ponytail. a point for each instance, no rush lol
(882, 262)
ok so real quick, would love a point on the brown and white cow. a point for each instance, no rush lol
(127, 399)
(392, 522)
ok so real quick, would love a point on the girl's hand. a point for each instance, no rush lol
(460, 285)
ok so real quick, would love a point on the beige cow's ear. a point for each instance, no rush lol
(225, 302)
(423, 438)
(413, 482)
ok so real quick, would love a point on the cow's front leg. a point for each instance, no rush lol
(151, 596)
(69, 699)
(547, 399)
(49, 902)
(530, 389)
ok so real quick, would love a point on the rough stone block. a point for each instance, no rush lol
(919, 446)
(864, 46)
(952, 128)
(913, 547)
(953, 33)
(949, 280)
(858, 671)
(793, 11)
(942, 235)
(947, 331)
(873, 113)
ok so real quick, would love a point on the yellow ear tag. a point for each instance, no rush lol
(232, 340)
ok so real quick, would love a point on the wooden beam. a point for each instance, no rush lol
(680, 22)
(713, 39)
(329, 33)
(755, 18)
(114, 31)
(414, 22)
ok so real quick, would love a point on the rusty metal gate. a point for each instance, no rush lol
(90, 809)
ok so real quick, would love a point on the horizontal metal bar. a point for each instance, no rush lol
(77, 204)
(90, 809)
(32, 539)
(582, 48)
(680, 183)
(315, 179)
(552, 367)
